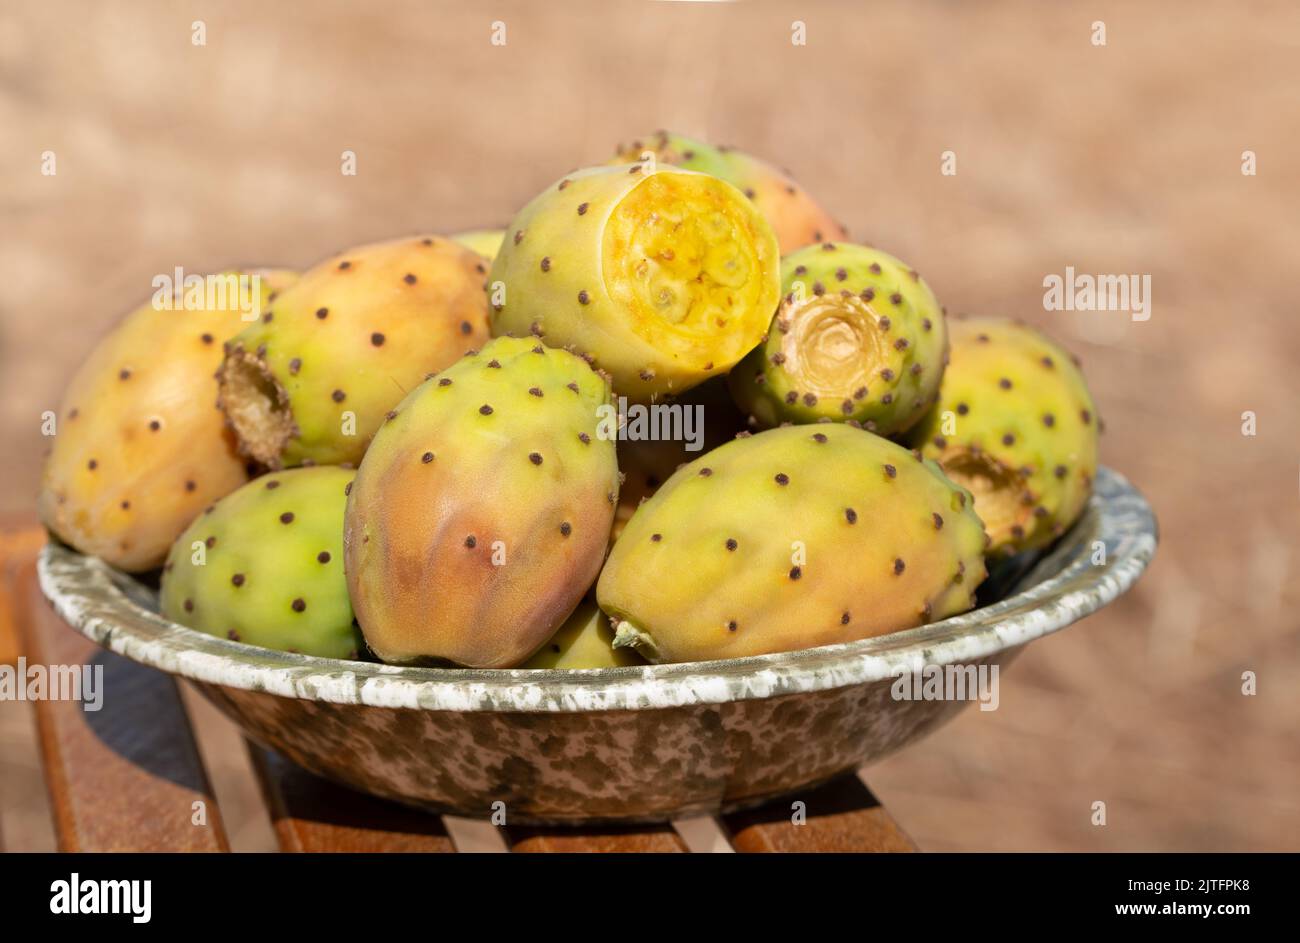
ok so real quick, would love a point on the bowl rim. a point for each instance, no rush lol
(1062, 588)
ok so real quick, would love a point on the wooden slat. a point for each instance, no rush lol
(18, 546)
(311, 814)
(126, 777)
(609, 839)
(842, 816)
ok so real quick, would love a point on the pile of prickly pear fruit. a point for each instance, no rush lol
(670, 413)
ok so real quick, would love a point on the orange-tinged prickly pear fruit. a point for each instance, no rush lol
(480, 516)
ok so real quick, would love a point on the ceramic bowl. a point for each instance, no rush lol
(629, 744)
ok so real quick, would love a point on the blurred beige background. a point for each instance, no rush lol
(1117, 159)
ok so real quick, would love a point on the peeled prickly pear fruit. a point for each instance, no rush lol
(708, 418)
(1016, 426)
(664, 278)
(314, 379)
(265, 566)
(141, 446)
(485, 242)
(586, 640)
(796, 218)
(792, 538)
(858, 337)
(481, 513)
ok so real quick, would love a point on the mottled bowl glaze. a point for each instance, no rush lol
(640, 743)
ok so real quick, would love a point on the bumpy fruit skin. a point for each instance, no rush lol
(792, 538)
(645, 464)
(481, 513)
(663, 278)
(586, 640)
(141, 446)
(859, 337)
(1016, 425)
(486, 242)
(272, 566)
(796, 218)
(312, 381)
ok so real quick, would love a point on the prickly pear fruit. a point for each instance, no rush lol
(705, 416)
(141, 446)
(481, 513)
(485, 242)
(265, 566)
(586, 640)
(792, 538)
(664, 278)
(858, 337)
(796, 218)
(1016, 426)
(314, 379)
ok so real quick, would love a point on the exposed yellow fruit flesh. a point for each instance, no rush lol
(682, 260)
(796, 218)
(832, 347)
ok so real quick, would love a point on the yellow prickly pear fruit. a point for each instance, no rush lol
(859, 337)
(141, 446)
(662, 277)
(313, 380)
(791, 538)
(1016, 426)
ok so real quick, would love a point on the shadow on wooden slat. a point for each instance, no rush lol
(133, 698)
(312, 814)
(128, 776)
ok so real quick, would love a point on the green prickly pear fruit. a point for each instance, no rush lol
(708, 419)
(265, 566)
(311, 383)
(859, 337)
(140, 445)
(481, 513)
(1016, 426)
(586, 640)
(486, 242)
(792, 538)
(796, 218)
(664, 278)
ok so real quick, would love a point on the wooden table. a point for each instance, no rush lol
(130, 777)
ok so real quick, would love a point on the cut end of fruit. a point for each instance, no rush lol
(257, 406)
(693, 263)
(999, 495)
(832, 347)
